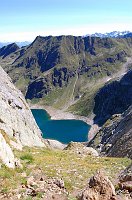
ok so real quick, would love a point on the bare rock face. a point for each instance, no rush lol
(99, 188)
(16, 121)
(15, 116)
(6, 154)
(115, 137)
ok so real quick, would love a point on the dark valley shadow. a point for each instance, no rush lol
(113, 98)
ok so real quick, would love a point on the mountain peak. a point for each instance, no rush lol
(10, 48)
(113, 34)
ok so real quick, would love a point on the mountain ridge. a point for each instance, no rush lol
(52, 66)
(20, 44)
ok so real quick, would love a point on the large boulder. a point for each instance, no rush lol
(99, 188)
(125, 180)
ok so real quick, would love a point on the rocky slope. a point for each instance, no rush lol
(113, 111)
(17, 125)
(114, 98)
(56, 174)
(115, 137)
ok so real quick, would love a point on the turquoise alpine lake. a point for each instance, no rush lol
(64, 131)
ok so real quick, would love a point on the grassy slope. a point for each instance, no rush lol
(74, 169)
(85, 104)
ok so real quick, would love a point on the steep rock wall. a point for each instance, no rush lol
(16, 121)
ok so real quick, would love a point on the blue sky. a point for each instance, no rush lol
(25, 19)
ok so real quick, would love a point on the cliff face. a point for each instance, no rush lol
(113, 111)
(113, 98)
(115, 137)
(16, 120)
(15, 116)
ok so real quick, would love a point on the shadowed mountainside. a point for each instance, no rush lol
(115, 136)
(113, 98)
(7, 50)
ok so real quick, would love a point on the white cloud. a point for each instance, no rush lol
(80, 30)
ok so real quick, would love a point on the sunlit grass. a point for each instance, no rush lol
(74, 169)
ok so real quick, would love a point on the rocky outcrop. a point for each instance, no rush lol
(124, 187)
(38, 89)
(80, 149)
(39, 183)
(15, 116)
(54, 144)
(16, 121)
(125, 180)
(115, 137)
(99, 188)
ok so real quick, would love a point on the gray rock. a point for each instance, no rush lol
(15, 116)
(81, 149)
(99, 188)
(115, 137)
(6, 154)
(17, 125)
(54, 144)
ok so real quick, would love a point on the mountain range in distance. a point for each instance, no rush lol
(20, 44)
(113, 34)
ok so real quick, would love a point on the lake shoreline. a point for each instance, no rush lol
(64, 130)
(57, 114)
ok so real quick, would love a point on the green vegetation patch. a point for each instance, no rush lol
(73, 169)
